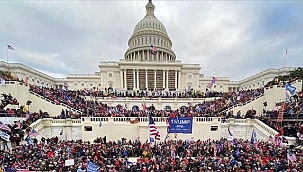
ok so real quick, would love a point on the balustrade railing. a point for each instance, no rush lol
(259, 124)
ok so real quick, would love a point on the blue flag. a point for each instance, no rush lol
(9, 169)
(91, 167)
(28, 140)
(290, 88)
(4, 136)
(238, 151)
(253, 136)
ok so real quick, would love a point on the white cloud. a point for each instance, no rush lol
(44, 62)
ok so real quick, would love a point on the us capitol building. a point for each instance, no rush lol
(144, 68)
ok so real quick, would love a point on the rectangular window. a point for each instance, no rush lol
(88, 128)
(213, 128)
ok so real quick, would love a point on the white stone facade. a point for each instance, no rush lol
(117, 128)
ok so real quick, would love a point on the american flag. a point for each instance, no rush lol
(144, 107)
(277, 140)
(209, 85)
(291, 156)
(27, 115)
(214, 80)
(10, 47)
(65, 84)
(215, 149)
(4, 127)
(33, 133)
(153, 48)
(153, 130)
(19, 125)
(253, 136)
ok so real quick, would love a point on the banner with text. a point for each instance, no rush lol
(180, 125)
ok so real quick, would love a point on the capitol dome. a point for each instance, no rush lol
(150, 22)
(150, 33)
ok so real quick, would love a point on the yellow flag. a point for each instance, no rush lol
(24, 109)
(13, 75)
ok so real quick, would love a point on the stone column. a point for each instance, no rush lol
(148, 55)
(125, 84)
(134, 55)
(176, 83)
(143, 55)
(138, 79)
(164, 79)
(155, 77)
(138, 55)
(146, 80)
(121, 79)
(179, 80)
(134, 79)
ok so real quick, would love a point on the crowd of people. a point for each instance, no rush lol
(78, 101)
(51, 154)
(291, 109)
(7, 99)
(170, 155)
(18, 129)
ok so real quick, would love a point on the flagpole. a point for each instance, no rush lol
(285, 61)
(285, 58)
(6, 53)
(148, 131)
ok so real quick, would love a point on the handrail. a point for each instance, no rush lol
(242, 104)
(271, 131)
(62, 104)
(36, 123)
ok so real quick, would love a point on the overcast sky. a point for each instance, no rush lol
(227, 38)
